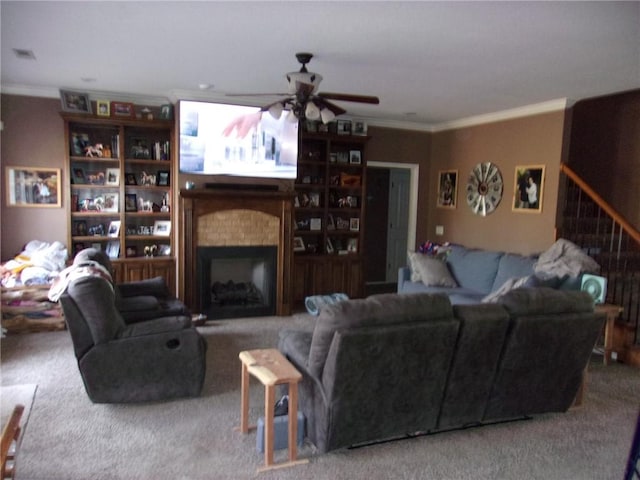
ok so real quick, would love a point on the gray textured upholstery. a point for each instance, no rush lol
(139, 300)
(158, 359)
(392, 365)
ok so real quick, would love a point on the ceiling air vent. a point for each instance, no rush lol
(24, 54)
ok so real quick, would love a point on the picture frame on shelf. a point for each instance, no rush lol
(130, 202)
(122, 109)
(298, 244)
(315, 224)
(33, 187)
(113, 250)
(331, 224)
(112, 177)
(79, 141)
(529, 186)
(163, 178)
(130, 179)
(355, 157)
(329, 246)
(343, 127)
(314, 199)
(75, 102)
(447, 189)
(162, 228)
(352, 245)
(354, 224)
(78, 176)
(166, 112)
(111, 202)
(102, 108)
(164, 250)
(79, 228)
(114, 228)
(359, 127)
(343, 157)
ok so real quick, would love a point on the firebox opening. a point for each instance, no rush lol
(237, 281)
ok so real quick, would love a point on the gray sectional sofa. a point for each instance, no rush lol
(394, 365)
(470, 275)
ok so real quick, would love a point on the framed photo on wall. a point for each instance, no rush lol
(528, 189)
(33, 187)
(447, 188)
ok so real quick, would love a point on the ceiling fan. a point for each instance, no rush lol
(302, 99)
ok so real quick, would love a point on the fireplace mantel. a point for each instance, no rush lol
(197, 205)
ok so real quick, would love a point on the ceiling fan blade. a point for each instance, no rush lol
(254, 94)
(346, 97)
(331, 106)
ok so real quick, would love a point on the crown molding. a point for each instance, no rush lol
(49, 92)
(175, 95)
(526, 111)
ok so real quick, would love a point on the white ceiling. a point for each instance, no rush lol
(431, 63)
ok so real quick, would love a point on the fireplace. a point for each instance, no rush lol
(240, 222)
(237, 281)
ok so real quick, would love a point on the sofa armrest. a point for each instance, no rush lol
(156, 287)
(156, 326)
(404, 275)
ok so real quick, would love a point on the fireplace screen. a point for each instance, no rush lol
(237, 281)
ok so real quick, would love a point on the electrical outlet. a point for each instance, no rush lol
(439, 229)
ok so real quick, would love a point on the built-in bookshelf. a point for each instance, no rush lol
(119, 177)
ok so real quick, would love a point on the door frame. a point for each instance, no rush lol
(414, 170)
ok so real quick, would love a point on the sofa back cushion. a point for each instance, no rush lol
(548, 346)
(542, 301)
(512, 265)
(385, 381)
(474, 269)
(384, 309)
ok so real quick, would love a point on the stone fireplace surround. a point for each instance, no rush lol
(238, 217)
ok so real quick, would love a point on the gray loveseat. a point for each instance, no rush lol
(394, 365)
(469, 275)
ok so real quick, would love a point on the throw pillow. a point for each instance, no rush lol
(433, 272)
(413, 265)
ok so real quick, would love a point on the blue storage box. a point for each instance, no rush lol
(281, 432)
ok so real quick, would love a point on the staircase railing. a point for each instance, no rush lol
(594, 225)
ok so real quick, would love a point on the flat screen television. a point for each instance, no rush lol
(224, 139)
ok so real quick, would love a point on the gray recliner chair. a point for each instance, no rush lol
(140, 300)
(151, 360)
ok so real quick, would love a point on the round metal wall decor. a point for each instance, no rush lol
(484, 188)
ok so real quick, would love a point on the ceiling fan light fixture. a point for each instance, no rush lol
(326, 115)
(309, 78)
(291, 117)
(276, 110)
(312, 112)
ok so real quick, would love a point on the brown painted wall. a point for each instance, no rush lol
(32, 136)
(33, 131)
(405, 146)
(535, 140)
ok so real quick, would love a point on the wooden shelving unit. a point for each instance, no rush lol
(329, 215)
(120, 199)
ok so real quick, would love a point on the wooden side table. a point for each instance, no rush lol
(271, 368)
(612, 312)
